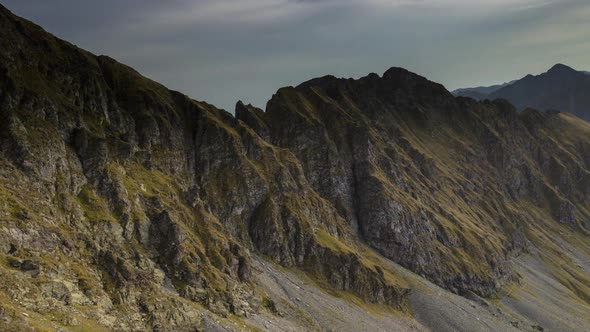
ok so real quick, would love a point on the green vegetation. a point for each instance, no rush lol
(95, 207)
(328, 241)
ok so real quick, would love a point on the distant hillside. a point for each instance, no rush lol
(560, 88)
(480, 92)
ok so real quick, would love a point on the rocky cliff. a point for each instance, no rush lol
(128, 206)
(426, 178)
(128, 198)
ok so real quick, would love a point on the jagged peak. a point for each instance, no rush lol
(404, 77)
(325, 80)
(241, 110)
(561, 68)
(395, 72)
(392, 74)
(240, 104)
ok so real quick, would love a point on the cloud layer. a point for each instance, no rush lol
(224, 50)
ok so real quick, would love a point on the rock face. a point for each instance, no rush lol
(426, 178)
(131, 198)
(560, 88)
(130, 206)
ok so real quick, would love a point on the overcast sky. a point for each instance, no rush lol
(224, 50)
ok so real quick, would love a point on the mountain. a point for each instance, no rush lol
(480, 92)
(383, 203)
(560, 88)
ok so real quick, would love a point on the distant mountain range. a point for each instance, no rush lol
(561, 88)
(480, 92)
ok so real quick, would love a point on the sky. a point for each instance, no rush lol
(222, 51)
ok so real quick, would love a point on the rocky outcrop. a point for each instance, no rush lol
(426, 178)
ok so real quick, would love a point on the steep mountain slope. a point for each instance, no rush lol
(427, 178)
(126, 206)
(561, 88)
(122, 200)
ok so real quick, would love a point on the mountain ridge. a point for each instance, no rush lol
(129, 206)
(559, 88)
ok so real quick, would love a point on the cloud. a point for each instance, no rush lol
(221, 50)
(226, 11)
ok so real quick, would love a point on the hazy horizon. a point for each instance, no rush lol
(220, 51)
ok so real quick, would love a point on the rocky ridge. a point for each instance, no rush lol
(425, 177)
(129, 206)
(130, 198)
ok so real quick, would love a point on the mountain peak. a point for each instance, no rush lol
(561, 68)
